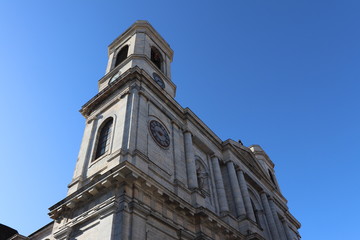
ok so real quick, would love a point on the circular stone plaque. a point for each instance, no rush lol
(159, 134)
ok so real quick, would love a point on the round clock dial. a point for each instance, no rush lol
(159, 134)
(158, 80)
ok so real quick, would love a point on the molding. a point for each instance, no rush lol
(63, 233)
(130, 58)
(128, 174)
(139, 27)
(202, 127)
(137, 74)
(253, 167)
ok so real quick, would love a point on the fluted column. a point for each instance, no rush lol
(239, 203)
(286, 228)
(190, 161)
(269, 217)
(246, 196)
(219, 183)
(277, 220)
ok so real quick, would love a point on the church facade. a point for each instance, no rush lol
(150, 169)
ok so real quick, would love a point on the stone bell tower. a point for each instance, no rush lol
(139, 50)
(143, 47)
(150, 169)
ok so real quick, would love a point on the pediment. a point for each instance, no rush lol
(249, 159)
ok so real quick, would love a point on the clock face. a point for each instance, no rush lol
(158, 80)
(159, 134)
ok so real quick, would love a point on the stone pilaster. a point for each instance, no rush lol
(131, 119)
(246, 195)
(190, 161)
(85, 152)
(219, 183)
(239, 202)
(269, 217)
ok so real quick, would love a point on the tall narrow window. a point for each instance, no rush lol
(122, 55)
(104, 138)
(156, 57)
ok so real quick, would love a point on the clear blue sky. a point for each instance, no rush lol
(282, 74)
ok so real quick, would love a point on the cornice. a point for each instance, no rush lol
(48, 226)
(281, 202)
(227, 145)
(115, 173)
(200, 125)
(292, 220)
(18, 237)
(108, 90)
(114, 71)
(260, 174)
(262, 153)
(140, 26)
(126, 173)
(127, 60)
(134, 73)
(140, 74)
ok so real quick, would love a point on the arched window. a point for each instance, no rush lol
(122, 55)
(257, 208)
(156, 57)
(103, 139)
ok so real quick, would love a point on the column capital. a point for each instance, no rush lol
(247, 201)
(221, 161)
(270, 198)
(227, 161)
(262, 192)
(235, 187)
(239, 169)
(134, 88)
(187, 131)
(220, 189)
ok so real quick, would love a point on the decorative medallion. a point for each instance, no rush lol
(159, 134)
(158, 80)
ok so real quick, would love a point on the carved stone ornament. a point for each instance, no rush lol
(202, 176)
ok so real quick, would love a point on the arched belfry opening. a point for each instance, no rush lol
(122, 55)
(156, 57)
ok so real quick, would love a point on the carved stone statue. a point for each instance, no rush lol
(202, 176)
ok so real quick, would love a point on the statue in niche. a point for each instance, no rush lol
(202, 176)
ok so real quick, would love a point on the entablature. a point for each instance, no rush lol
(127, 174)
(142, 26)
